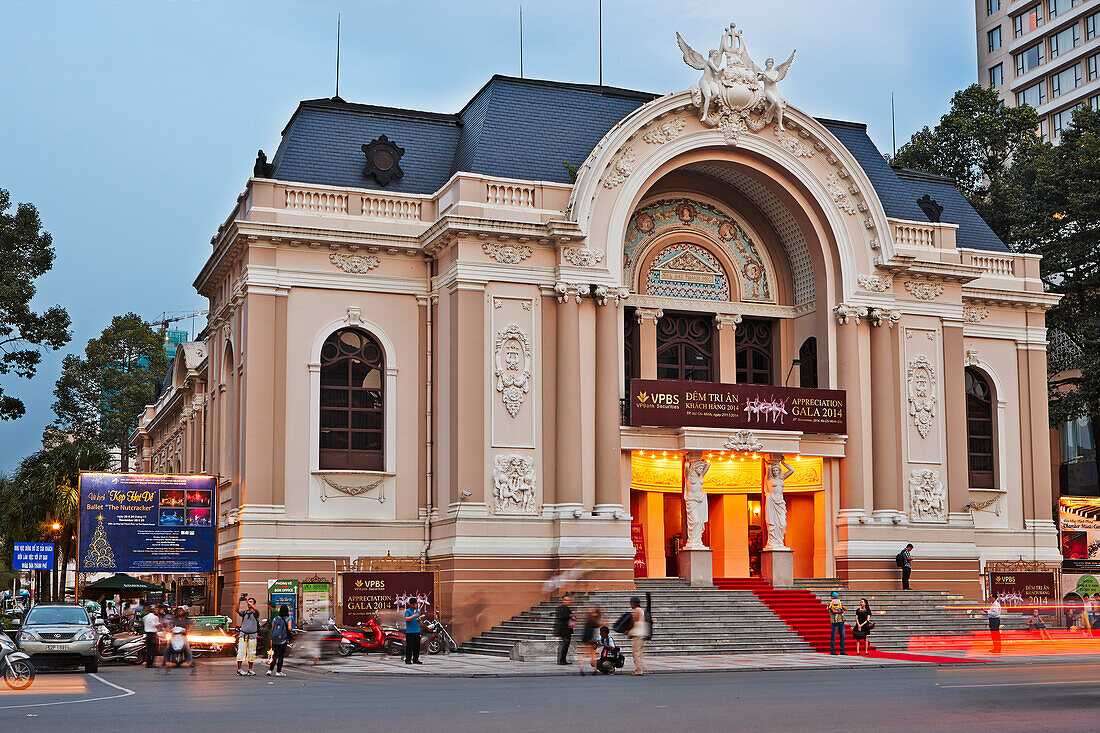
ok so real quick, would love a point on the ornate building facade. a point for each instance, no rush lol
(424, 329)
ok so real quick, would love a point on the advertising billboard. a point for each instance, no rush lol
(138, 523)
(1079, 530)
(671, 403)
(366, 595)
(315, 602)
(1024, 589)
(32, 556)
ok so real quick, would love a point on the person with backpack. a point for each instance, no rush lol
(249, 633)
(836, 618)
(610, 658)
(905, 562)
(280, 637)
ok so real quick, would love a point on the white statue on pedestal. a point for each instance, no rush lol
(695, 499)
(775, 508)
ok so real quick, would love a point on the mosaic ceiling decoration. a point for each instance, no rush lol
(754, 275)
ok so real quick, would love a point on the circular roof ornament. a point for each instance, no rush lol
(383, 158)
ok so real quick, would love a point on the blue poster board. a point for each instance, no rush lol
(32, 556)
(138, 523)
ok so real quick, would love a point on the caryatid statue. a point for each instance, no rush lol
(775, 508)
(695, 499)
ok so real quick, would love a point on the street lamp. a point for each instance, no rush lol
(794, 363)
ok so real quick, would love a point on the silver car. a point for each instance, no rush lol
(59, 635)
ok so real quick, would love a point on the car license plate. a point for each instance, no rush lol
(57, 647)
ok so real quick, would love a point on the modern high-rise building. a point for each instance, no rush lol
(1045, 53)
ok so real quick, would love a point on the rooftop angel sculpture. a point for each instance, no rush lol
(710, 85)
(771, 75)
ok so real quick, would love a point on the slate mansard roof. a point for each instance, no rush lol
(526, 128)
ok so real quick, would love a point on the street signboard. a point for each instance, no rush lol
(32, 556)
(138, 523)
(366, 595)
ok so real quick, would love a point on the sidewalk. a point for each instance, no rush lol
(476, 665)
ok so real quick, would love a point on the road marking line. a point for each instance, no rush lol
(125, 693)
(1026, 684)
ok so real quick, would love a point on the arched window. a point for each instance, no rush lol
(684, 348)
(979, 429)
(352, 402)
(807, 363)
(754, 352)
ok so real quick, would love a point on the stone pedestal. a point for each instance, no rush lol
(777, 567)
(696, 567)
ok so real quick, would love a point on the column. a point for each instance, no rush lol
(855, 469)
(567, 430)
(256, 416)
(609, 492)
(726, 325)
(647, 341)
(467, 390)
(954, 397)
(884, 415)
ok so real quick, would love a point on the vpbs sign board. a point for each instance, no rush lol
(32, 556)
(140, 523)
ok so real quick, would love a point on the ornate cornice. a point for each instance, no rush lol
(844, 312)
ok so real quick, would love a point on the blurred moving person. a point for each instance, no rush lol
(639, 632)
(1087, 607)
(590, 635)
(564, 621)
(994, 614)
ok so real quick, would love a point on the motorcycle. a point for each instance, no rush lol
(15, 665)
(177, 644)
(434, 639)
(368, 638)
(123, 648)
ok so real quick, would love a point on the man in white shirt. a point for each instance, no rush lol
(994, 614)
(151, 624)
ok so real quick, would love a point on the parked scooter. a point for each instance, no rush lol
(367, 638)
(434, 639)
(126, 648)
(15, 665)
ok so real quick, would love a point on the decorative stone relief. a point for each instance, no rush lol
(927, 496)
(793, 145)
(664, 132)
(845, 311)
(350, 490)
(923, 290)
(620, 169)
(565, 291)
(695, 503)
(875, 283)
(513, 367)
(974, 313)
(977, 506)
(840, 194)
(971, 358)
(743, 440)
(722, 319)
(507, 254)
(921, 378)
(355, 264)
(582, 256)
(514, 485)
(884, 317)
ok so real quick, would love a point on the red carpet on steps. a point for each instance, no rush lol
(804, 613)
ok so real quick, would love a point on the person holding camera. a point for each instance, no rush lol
(249, 633)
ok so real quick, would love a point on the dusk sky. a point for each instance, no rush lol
(133, 126)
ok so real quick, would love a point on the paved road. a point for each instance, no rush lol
(1033, 697)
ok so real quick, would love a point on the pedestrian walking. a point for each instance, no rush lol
(905, 562)
(639, 632)
(564, 621)
(280, 637)
(836, 620)
(994, 614)
(249, 632)
(412, 633)
(151, 624)
(1088, 605)
(590, 634)
(863, 627)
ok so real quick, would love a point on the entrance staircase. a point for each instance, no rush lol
(748, 615)
(686, 621)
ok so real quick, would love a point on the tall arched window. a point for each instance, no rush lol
(754, 352)
(979, 429)
(684, 349)
(352, 402)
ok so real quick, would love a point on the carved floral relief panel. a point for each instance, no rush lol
(513, 372)
(753, 269)
(922, 380)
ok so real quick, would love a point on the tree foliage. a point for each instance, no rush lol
(101, 395)
(1039, 198)
(26, 253)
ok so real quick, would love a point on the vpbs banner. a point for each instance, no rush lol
(366, 595)
(140, 523)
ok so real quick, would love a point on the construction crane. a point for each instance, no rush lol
(166, 317)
